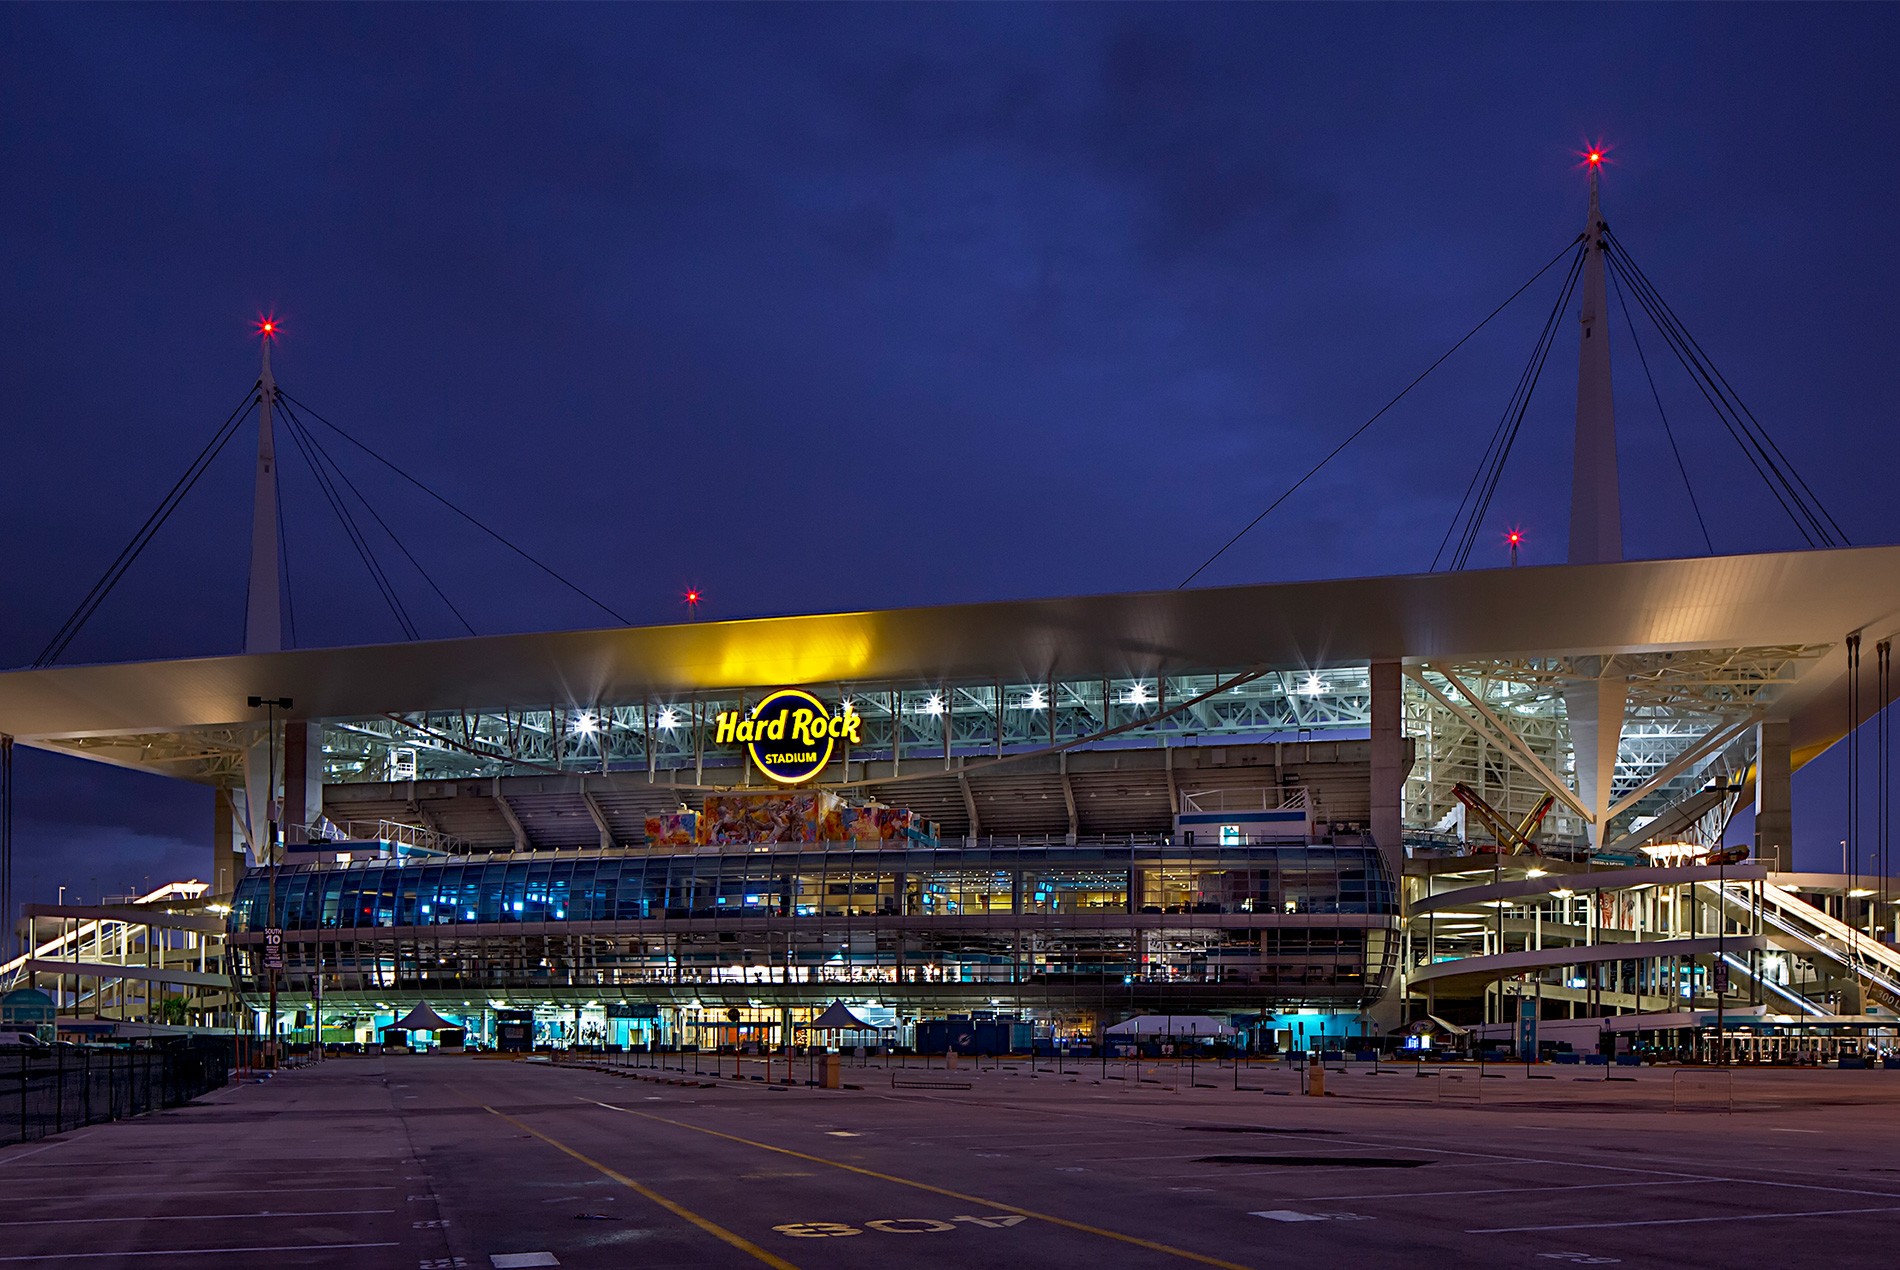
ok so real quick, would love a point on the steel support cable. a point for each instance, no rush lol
(1357, 432)
(1709, 383)
(1786, 464)
(355, 534)
(1852, 863)
(496, 535)
(1883, 763)
(1504, 435)
(1759, 460)
(1484, 464)
(1656, 396)
(1525, 378)
(89, 605)
(6, 847)
(338, 473)
(1484, 480)
(358, 540)
(1511, 422)
(1825, 524)
(1540, 357)
(1790, 502)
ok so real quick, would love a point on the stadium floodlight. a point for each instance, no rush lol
(586, 725)
(1314, 685)
(1035, 700)
(1138, 694)
(934, 705)
(669, 719)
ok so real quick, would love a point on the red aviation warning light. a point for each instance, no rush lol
(692, 602)
(1596, 156)
(267, 327)
(1515, 538)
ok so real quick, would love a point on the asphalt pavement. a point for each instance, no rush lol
(463, 1163)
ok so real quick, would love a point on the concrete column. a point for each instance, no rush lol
(1593, 711)
(1388, 764)
(296, 780)
(227, 850)
(1774, 798)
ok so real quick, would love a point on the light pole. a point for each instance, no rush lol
(271, 706)
(1721, 945)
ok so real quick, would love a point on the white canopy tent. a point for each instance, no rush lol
(422, 1019)
(838, 1017)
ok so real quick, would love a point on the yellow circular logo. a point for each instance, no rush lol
(790, 734)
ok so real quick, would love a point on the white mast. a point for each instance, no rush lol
(1596, 512)
(1594, 705)
(264, 618)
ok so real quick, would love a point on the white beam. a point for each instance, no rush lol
(1708, 745)
(1491, 728)
(508, 814)
(595, 810)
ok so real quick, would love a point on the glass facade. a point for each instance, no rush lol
(1067, 929)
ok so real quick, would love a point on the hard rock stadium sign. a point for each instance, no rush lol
(790, 734)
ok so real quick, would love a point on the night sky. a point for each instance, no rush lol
(847, 307)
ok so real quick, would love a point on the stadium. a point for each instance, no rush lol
(1488, 801)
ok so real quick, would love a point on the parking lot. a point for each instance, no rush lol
(446, 1162)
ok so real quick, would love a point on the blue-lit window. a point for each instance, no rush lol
(562, 891)
(428, 885)
(290, 900)
(634, 901)
(509, 897)
(448, 895)
(534, 905)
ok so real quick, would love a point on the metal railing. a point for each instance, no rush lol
(48, 1092)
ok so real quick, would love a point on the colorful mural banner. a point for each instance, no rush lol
(776, 816)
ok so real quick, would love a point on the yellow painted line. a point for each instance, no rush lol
(712, 1228)
(1084, 1227)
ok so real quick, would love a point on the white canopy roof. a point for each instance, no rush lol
(1802, 598)
(1171, 1025)
(423, 1019)
(838, 1015)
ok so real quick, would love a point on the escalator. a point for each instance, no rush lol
(1770, 987)
(1874, 965)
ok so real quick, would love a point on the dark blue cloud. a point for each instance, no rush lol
(1041, 299)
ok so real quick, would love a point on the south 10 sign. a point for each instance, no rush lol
(790, 734)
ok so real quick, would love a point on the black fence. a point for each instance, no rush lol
(48, 1092)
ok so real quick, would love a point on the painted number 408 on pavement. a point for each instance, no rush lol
(891, 1226)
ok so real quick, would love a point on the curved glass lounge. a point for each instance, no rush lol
(1057, 931)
